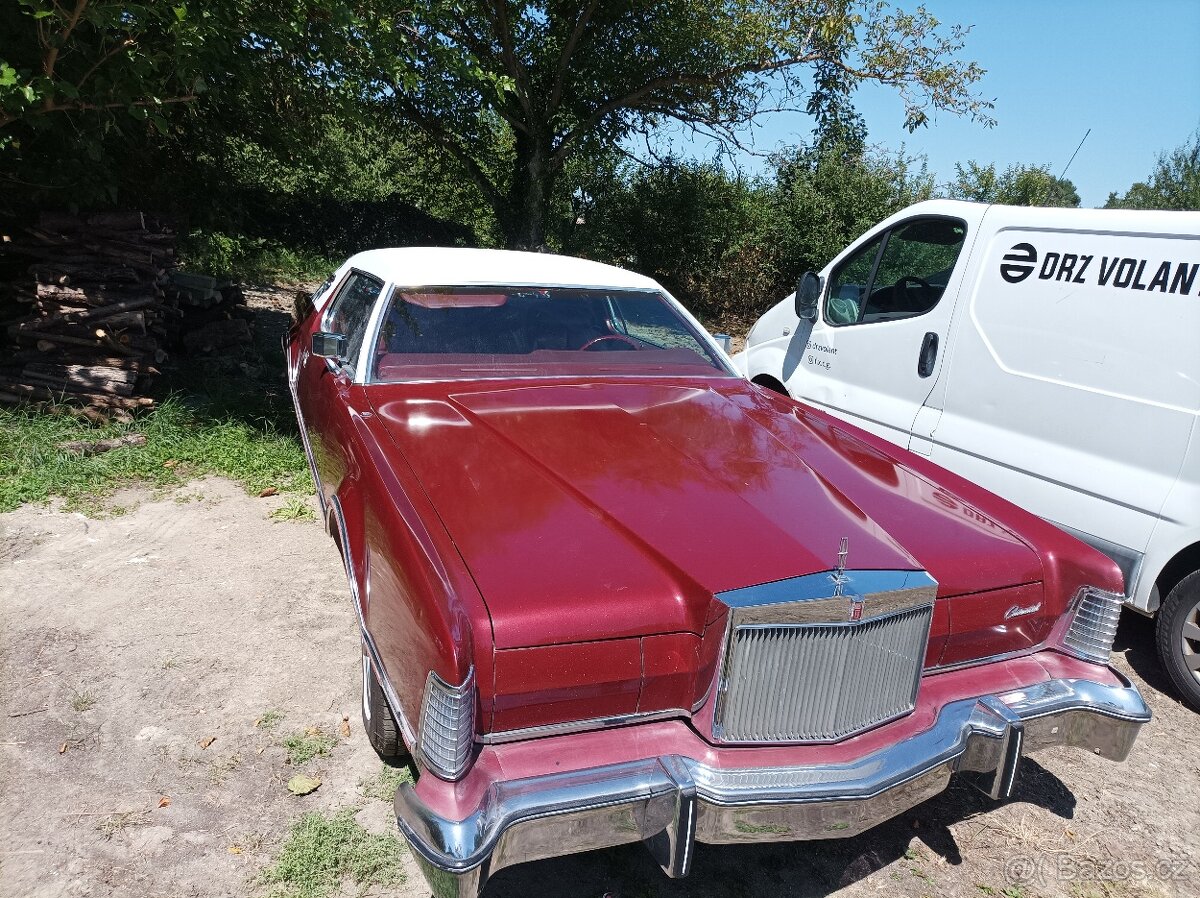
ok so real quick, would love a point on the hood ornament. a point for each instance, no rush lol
(840, 579)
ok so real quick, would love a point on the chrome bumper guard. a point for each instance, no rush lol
(671, 802)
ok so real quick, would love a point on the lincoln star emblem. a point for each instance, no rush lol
(840, 580)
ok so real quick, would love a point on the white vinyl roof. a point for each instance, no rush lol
(423, 266)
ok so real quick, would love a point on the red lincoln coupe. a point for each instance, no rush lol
(611, 592)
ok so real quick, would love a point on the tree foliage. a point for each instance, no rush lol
(92, 56)
(1174, 183)
(569, 76)
(729, 245)
(79, 78)
(1017, 185)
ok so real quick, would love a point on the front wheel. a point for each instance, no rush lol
(1179, 637)
(378, 720)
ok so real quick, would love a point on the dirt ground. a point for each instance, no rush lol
(132, 641)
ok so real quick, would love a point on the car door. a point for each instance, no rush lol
(323, 385)
(875, 351)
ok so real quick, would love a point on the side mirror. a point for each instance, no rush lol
(329, 346)
(808, 295)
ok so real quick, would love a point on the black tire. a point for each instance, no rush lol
(1178, 632)
(770, 383)
(378, 720)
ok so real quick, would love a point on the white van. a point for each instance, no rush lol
(1050, 355)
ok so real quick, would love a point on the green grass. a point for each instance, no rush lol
(384, 784)
(270, 720)
(312, 743)
(322, 851)
(296, 508)
(83, 701)
(252, 258)
(182, 442)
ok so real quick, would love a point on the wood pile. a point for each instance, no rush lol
(100, 308)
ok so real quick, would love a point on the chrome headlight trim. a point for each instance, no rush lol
(1094, 614)
(446, 731)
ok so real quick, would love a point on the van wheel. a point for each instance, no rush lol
(1179, 637)
(765, 380)
(378, 720)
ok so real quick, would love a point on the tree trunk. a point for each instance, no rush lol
(529, 195)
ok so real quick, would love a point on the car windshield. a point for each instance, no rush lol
(466, 332)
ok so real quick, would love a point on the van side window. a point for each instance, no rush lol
(350, 310)
(901, 274)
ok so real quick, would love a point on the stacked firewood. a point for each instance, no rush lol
(99, 311)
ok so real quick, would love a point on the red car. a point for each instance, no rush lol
(611, 592)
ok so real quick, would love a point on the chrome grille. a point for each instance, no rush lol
(818, 682)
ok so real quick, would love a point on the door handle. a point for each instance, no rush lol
(928, 356)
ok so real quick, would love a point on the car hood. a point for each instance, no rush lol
(596, 510)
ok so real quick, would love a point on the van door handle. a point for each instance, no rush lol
(928, 356)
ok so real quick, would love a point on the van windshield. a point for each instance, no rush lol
(466, 332)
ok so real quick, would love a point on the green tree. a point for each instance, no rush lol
(680, 222)
(1174, 183)
(563, 77)
(91, 56)
(1017, 185)
(824, 198)
(80, 79)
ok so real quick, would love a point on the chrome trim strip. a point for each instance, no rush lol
(366, 358)
(590, 378)
(990, 659)
(389, 691)
(670, 801)
(578, 726)
(811, 599)
(312, 461)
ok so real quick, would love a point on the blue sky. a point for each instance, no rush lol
(1130, 71)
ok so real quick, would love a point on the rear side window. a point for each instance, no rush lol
(901, 274)
(351, 310)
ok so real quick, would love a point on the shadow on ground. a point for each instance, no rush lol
(249, 385)
(1136, 641)
(794, 869)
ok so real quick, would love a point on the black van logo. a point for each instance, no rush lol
(1018, 263)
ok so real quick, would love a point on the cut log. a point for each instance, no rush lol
(118, 221)
(124, 321)
(95, 294)
(95, 415)
(81, 375)
(106, 311)
(61, 272)
(47, 341)
(60, 221)
(95, 447)
(118, 371)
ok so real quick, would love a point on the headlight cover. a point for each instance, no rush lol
(447, 726)
(1095, 613)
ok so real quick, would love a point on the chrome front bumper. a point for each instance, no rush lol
(671, 802)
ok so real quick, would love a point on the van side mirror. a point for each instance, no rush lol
(329, 346)
(808, 295)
